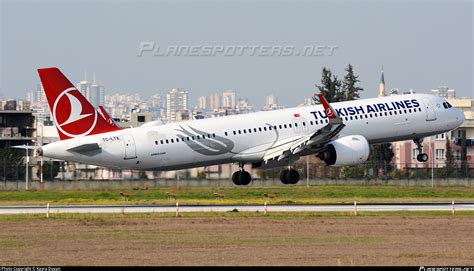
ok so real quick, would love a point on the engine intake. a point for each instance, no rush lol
(346, 151)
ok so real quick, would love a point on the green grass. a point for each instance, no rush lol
(111, 218)
(243, 195)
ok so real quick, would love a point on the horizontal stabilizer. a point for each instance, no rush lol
(26, 147)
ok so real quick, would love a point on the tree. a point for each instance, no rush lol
(380, 157)
(349, 85)
(450, 164)
(50, 170)
(12, 161)
(464, 165)
(330, 87)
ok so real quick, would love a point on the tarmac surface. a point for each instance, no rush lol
(370, 207)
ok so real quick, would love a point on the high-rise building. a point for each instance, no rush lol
(444, 92)
(214, 102)
(176, 104)
(202, 103)
(271, 99)
(93, 92)
(229, 99)
(271, 103)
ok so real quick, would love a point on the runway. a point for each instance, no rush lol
(372, 207)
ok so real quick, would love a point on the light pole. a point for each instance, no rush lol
(432, 164)
(27, 160)
(307, 170)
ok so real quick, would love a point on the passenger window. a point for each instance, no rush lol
(172, 141)
(285, 126)
(260, 129)
(234, 132)
(296, 124)
(250, 130)
(409, 110)
(311, 122)
(255, 130)
(419, 109)
(187, 138)
(304, 123)
(274, 127)
(167, 141)
(192, 137)
(245, 131)
(386, 114)
(390, 113)
(156, 142)
(351, 117)
(264, 128)
(327, 120)
(225, 133)
(355, 117)
(198, 138)
(270, 128)
(371, 115)
(279, 126)
(161, 141)
(405, 111)
(240, 132)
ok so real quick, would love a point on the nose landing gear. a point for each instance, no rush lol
(421, 157)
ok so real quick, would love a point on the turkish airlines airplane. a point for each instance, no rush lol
(338, 133)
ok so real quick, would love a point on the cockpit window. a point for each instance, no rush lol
(447, 105)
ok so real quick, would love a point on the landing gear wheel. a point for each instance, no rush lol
(422, 157)
(293, 176)
(236, 177)
(245, 178)
(241, 178)
(289, 176)
(283, 178)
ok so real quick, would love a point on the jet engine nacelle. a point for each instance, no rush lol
(346, 151)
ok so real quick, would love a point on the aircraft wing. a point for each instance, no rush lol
(312, 142)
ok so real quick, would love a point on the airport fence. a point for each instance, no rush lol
(59, 170)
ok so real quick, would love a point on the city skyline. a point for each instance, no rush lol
(421, 49)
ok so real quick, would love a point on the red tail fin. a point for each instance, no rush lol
(73, 115)
(107, 117)
(327, 107)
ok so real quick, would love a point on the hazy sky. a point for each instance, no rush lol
(421, 45)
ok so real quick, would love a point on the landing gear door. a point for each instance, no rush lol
(130, 148)
(430, 112)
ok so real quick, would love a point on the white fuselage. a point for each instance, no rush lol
(246, 138)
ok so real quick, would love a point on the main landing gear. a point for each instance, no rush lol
(289, 176)
(421, 157)
(241, 177)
